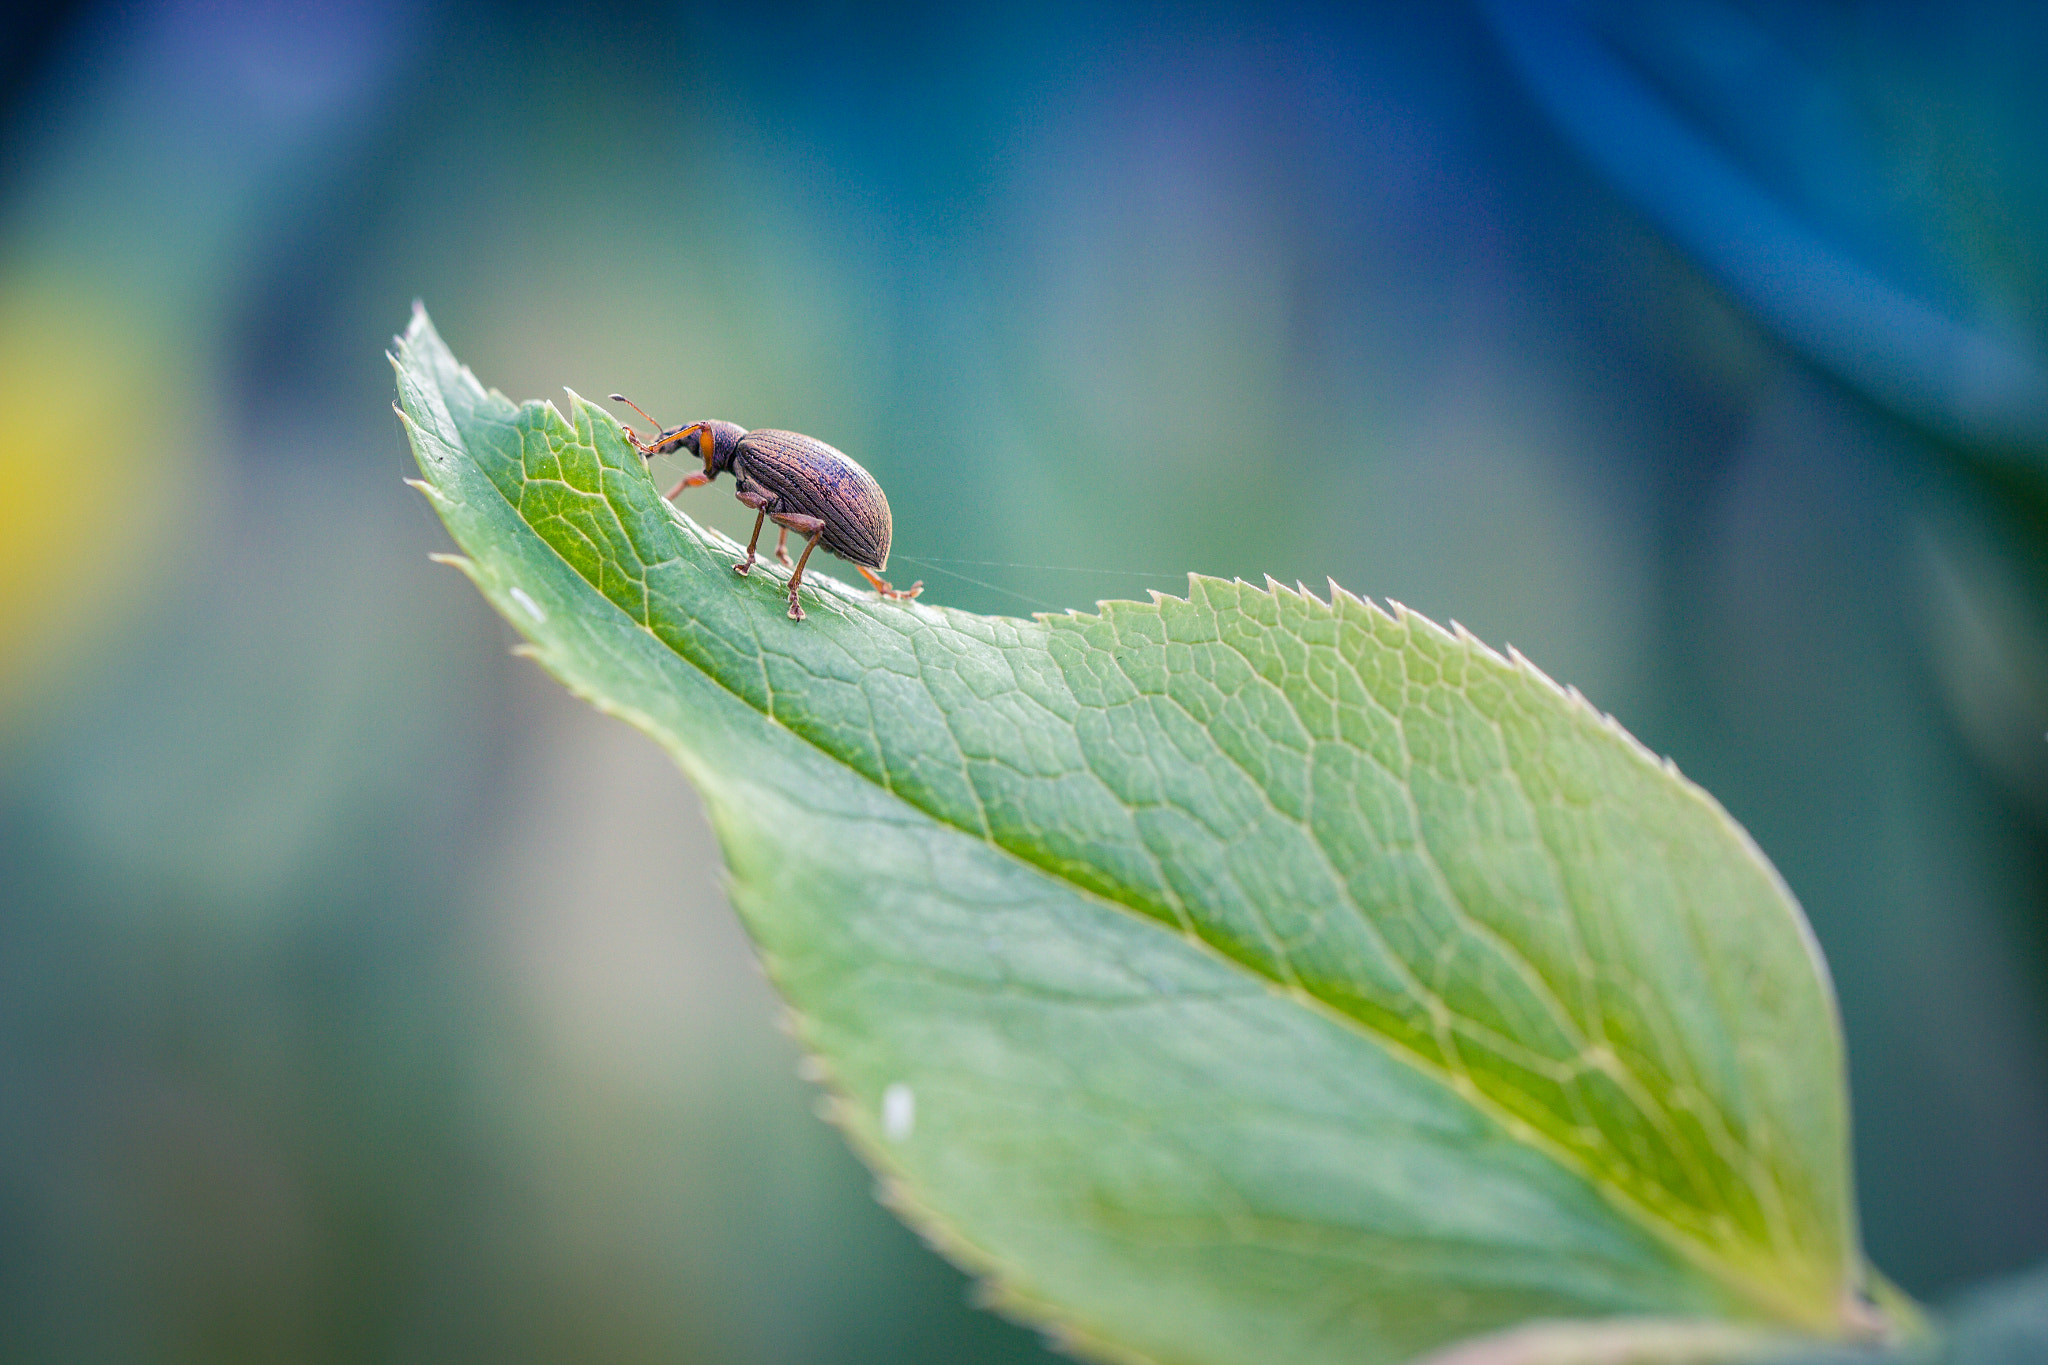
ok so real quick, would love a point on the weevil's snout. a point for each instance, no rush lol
(675, 438)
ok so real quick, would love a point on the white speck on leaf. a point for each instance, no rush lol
(532, 607)
(899, 1112)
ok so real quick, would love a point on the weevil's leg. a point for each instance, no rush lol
(797, 522)
(803, 525)
(746, 564)
(796, 612)
(754, 496)
(696, 480)
(782, 547)
(882, 586)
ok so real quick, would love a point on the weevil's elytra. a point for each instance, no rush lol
(799, 483)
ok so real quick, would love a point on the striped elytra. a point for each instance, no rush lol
(806, 475)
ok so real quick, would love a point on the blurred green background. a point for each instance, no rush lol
(363, 997)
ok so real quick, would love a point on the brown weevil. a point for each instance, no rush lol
(799, 483)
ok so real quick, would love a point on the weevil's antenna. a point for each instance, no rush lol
(621, 398)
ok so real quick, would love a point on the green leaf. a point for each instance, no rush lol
(1246, 978)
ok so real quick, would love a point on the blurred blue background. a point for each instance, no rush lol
(364, 997)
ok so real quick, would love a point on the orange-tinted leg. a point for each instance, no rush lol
(893, 594)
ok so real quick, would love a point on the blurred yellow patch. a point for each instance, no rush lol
(95, 461)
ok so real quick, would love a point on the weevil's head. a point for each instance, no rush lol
(712, 442)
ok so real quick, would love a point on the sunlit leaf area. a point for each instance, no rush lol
(367, 995)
